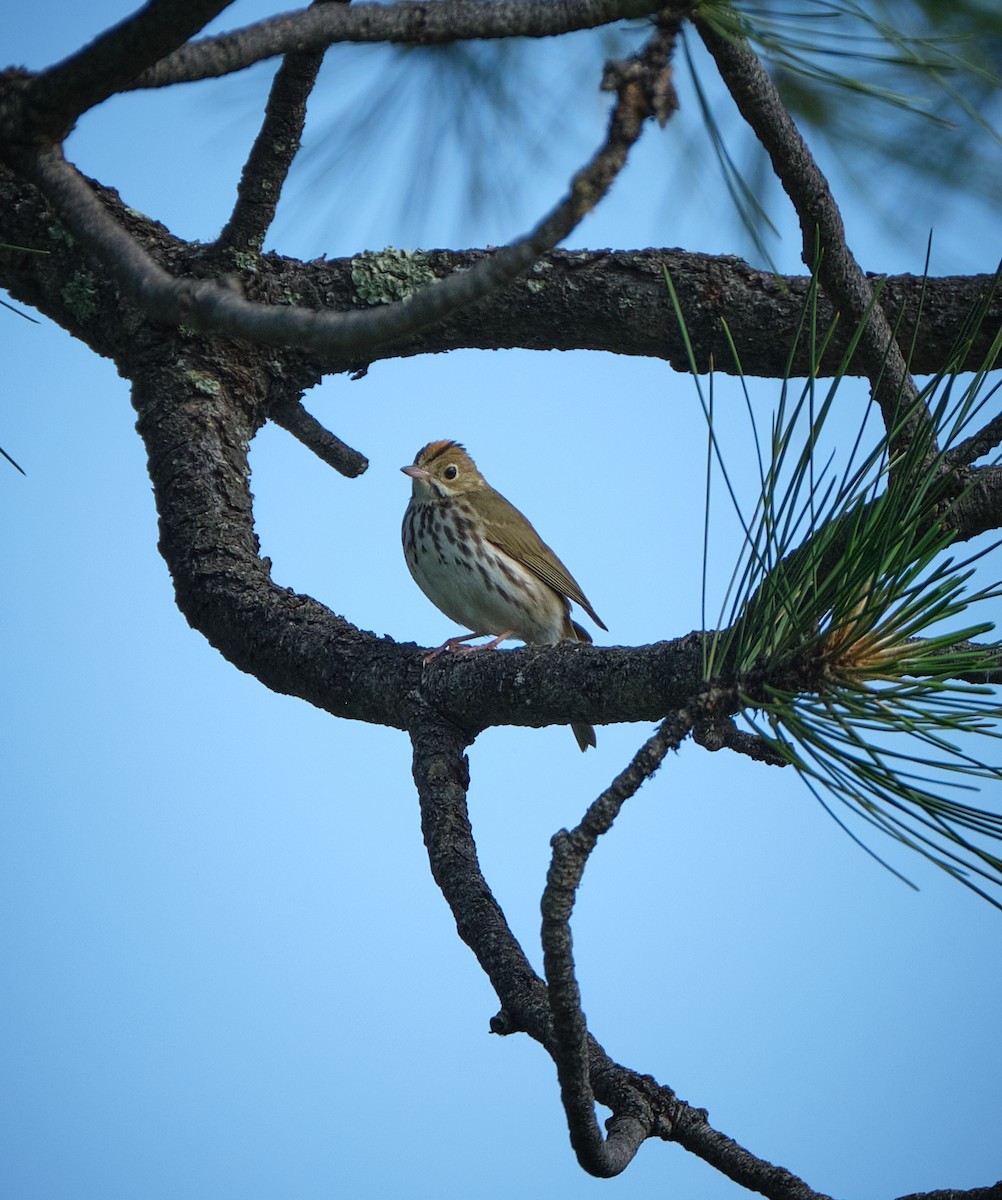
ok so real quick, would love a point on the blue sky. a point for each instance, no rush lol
(228, 972)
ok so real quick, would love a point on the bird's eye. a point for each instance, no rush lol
(450, 472)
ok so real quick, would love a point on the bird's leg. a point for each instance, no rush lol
(454, 645)
(493, 645)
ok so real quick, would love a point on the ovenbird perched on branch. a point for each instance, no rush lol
(477, 558)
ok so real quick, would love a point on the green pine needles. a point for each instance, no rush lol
(846, 638)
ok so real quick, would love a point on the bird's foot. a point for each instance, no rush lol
(455, 645)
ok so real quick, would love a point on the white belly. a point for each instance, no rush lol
(491, 593)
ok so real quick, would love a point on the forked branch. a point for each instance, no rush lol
(641, 1107)
(209, 305)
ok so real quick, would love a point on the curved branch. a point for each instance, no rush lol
(211, 305)
(412, 23)
(197, 413)
(596, 300)
(821, 223)
(55, 98)
(441, 775)
(627, 1131)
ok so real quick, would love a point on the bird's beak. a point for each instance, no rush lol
(416, 472)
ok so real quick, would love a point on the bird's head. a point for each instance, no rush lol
(443, 469)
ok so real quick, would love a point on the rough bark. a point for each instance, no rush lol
(109, 276)
(607, 300)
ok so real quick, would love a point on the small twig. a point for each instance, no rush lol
(294, 419)
(723, 734)
(630, 1127)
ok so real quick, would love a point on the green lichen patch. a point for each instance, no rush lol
(203, 383)
(390, 275)
(80, 295)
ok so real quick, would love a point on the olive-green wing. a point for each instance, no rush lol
(511, 532)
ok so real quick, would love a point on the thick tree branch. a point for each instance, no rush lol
(198, 409)
(599, 300)
(211, 305)
(414, 24)
(196, 414)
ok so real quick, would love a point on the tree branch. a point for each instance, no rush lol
(198, 409)
(441, 775)
(411, 23)
(820, 222)
(274, 150)
(599, 300)
(982, 1193)
(978, 445)
(721, 733)
(303, 426)
(211, 305)
(979, 508)
(51, 102)
(628, 1129)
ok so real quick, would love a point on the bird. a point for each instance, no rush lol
(480, 561)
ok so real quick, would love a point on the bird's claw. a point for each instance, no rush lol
(455, 645)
